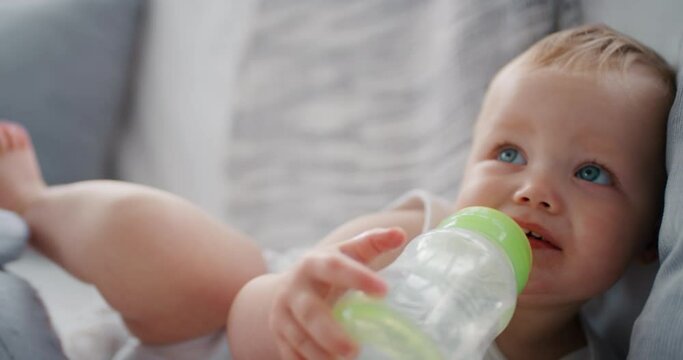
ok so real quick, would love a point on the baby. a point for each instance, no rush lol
(569, 143)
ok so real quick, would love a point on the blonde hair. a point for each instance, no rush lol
(597, 48)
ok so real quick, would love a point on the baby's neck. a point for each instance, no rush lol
(541, 334)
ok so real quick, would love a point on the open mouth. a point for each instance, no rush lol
(538, 241)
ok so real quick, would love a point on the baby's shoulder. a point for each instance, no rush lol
(430, 207)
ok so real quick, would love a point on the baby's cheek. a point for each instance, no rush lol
(473, 195)
(479, 188)
(608, 244)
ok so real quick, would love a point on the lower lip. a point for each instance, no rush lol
(538, 244)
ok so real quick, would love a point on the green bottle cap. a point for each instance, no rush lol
(502, 230)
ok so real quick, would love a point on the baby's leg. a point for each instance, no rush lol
(171, 270)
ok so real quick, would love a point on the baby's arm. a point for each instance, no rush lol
(289, 314)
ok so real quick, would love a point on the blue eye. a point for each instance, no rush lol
(594, 174)
(512, 156)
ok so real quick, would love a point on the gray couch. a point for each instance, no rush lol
(155, 92)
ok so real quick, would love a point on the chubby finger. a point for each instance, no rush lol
(341, 271)
(315, 317)
(286, 351)
(370, 244)
(297, 342)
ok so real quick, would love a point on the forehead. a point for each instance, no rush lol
(607, 104)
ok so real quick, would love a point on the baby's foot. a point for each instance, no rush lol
(20, 178)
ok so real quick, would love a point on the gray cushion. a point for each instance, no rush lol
(13, 236)
(64, 66)
(25, 329)
(658, 332)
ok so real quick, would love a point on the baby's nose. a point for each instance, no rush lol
(538, 195)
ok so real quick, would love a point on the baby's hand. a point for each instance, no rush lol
(301, 317)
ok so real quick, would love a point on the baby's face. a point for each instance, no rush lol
(578, 161)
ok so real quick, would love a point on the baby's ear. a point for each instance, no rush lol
(649, 254)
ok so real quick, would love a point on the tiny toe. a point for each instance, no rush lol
(5, 142)
(12, 136)
(18, 136)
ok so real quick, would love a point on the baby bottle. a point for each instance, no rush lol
(451, 291)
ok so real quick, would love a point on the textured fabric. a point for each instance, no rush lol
(64, 66)
(344, 105)
(596, 349)
(582, 354)
(209, 347)
(25, 329)
(613, 313)
(658, 332)
(13, 236)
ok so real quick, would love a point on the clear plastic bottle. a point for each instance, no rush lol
(451, 291)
